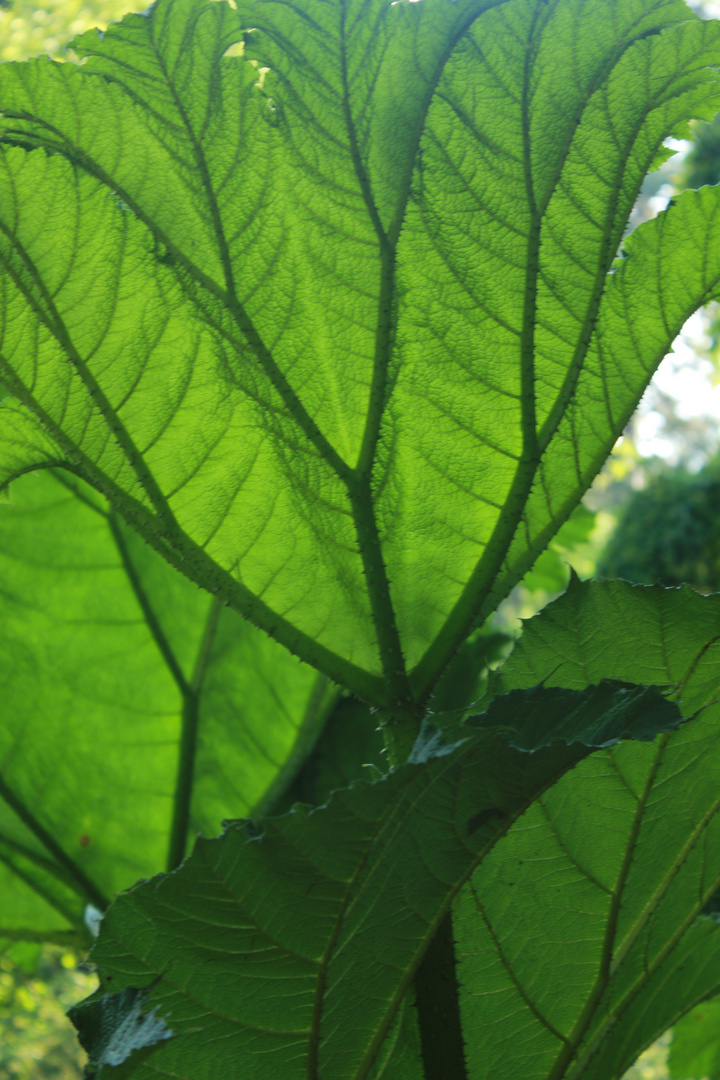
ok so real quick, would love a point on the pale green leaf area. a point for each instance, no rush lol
(695, 1047)
(551, 572)
(582, 936)
(346, 895)
(136, 710)
(344, 345)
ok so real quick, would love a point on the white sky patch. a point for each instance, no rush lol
(709, 9)
(687, 378)
(683, 375)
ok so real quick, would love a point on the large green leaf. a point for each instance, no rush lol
(339, 338)
(582, 936)
(134, 710)
(287, 955)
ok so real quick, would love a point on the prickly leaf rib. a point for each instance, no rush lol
(134, 340)
(584, 193)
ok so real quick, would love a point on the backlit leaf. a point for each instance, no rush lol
(334, 324)
(136, 711)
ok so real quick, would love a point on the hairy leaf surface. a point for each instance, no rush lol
(136, 711)
(332, 323)
(336, 906)
(582, 937)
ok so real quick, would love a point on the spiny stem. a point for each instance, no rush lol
(437, 995)
(400, 729)
(188, 744)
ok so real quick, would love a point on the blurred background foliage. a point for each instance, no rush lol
(28, 29)
(652, 515)
(37, 987)
(669, 531)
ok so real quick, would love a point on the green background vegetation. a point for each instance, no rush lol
(31, 29)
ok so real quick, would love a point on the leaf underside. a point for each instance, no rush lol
(288, 955)
(336, 327)
(339, 338)
(136, 711)
(581, 938)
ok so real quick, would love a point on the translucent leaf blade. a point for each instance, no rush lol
(114, 670)
(393, 353)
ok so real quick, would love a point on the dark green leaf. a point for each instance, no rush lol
(562, 715)
(583, 936)
(335, 906)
